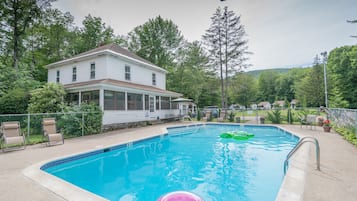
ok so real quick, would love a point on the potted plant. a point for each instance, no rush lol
(327, 125)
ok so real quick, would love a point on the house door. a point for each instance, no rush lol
(152, 104)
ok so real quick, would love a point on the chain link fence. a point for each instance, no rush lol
(72, 124)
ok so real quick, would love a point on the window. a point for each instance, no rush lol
(58, 76)
(174, 105)
(92, 71)
(157, 102)
(154, 79)
(90, 97)
(135, 101)
(114, 100)
(146, 102)
(127, 72)
(74, 74)
(165, 103)
(72, 98)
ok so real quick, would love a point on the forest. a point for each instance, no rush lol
(213, 71)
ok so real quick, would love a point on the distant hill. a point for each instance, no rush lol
(256, 73)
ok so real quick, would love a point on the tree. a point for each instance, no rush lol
(47, 99)
(267, 86)
(226, 46)
(342, 73)
(243, 89)
(157, 41)
(94, 33)
(50, 39)
(16, 16)
(311, 87)
(189, 76)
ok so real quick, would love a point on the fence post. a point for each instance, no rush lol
(82, 123)
(356, 123)
(28, 127)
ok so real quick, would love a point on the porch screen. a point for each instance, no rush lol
(90, 97)
(114, 100)
(135, 101)
(165, 103)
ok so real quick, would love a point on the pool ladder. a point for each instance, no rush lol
(298, 145)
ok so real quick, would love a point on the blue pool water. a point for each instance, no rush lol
(191, 158)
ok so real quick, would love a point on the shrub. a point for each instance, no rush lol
(275, 116)
(47, 99)
(198, 115)
(231, 117)
(72, 122)
(290, 116)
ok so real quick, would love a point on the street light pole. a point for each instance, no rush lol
(324, 54)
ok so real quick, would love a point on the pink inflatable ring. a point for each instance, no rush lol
(180, 196)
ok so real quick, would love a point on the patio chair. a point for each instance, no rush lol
(50, 132)
(12, 138)
(221, 116)
(207, 116)
(309, 120)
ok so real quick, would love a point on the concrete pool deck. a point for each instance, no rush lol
(337, 179)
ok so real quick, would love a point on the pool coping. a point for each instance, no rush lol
(292, 187)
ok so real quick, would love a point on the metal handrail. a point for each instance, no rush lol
(298, 145)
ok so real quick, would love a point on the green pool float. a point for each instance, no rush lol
(237, 135)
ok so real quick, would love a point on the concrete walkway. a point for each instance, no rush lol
(337, 179)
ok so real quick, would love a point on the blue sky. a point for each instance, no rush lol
(281, 33)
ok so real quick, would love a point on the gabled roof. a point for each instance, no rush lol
(263, 103)
(120, 84)
(107, 49)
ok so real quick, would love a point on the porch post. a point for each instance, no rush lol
(101, 98)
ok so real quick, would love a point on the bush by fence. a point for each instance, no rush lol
(76, 121)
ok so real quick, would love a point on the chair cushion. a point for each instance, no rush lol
(55, 137)
(10, 125)
(14, 140)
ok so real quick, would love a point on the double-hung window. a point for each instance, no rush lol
(58, 76)
(92, 71)
(74, 74)
(127, 72)
(154, 79)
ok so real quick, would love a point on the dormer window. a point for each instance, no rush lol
(154, 79)
(74, 74)
(127, 72)
(92, 71)
(58, 76)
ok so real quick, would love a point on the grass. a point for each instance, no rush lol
(349, 134)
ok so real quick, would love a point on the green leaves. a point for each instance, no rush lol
(48, 99)
(157, 41)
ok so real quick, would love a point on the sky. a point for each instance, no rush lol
(280, 33)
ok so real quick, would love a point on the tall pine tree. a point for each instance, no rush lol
(226, 46)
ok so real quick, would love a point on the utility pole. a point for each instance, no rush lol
(324, 55)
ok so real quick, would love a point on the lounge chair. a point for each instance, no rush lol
(50, 132)
(221, 117)
(308, 120)
(12, 138)
(207, 116)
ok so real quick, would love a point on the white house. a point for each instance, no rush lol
(127, 87)
(264, 105)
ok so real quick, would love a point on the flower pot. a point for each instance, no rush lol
(327, 128)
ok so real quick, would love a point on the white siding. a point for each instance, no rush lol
(139, 74)
(109, 67)
(83, 71)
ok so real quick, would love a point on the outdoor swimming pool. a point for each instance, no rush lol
(192, 158)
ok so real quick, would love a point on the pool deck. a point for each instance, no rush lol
(337, 179)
